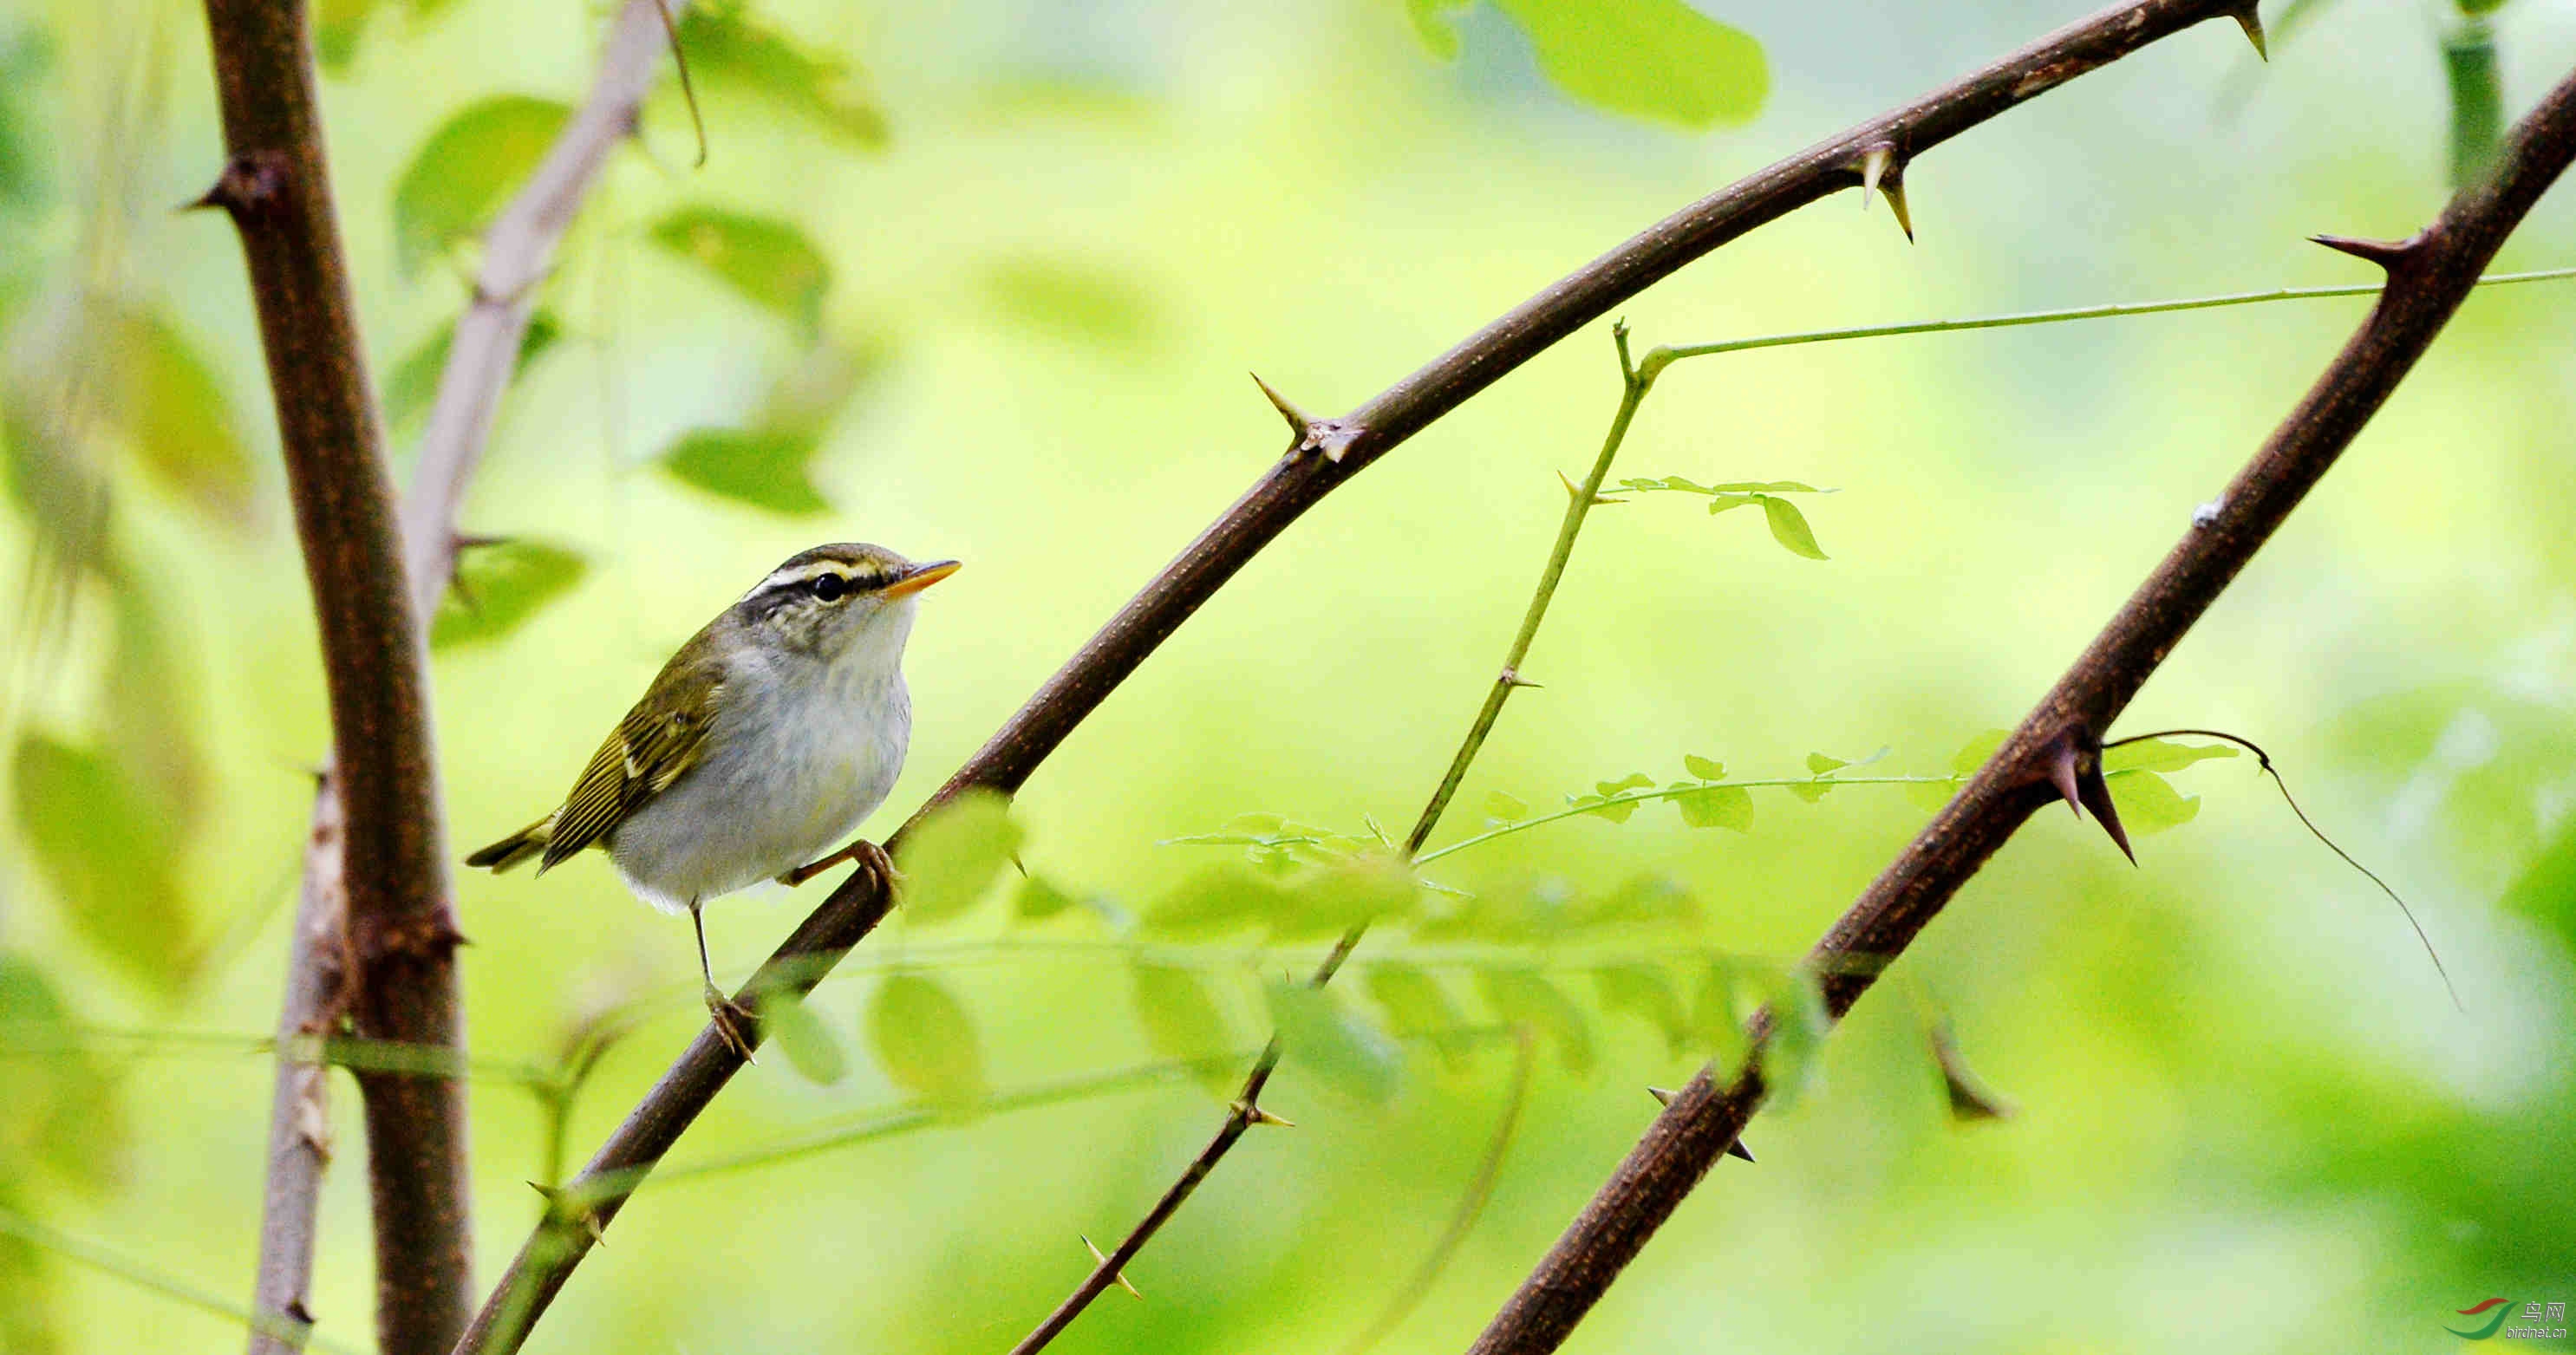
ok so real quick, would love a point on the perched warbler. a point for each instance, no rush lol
(763, 742)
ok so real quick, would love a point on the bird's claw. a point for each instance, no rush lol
(728, 1017)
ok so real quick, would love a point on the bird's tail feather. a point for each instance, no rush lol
(515, 848)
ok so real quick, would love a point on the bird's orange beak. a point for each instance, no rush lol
(922, 576)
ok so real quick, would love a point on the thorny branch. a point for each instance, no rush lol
(2055, 753)
(1325, 453)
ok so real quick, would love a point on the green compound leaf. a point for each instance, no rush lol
(925, 1042)
(764, 468)
(768, 262)
(1522, 997)
(2149, 804)
(497, 588)
(1330, 1041)
(808, 1044)
(1658, 60)
(1182, 1019)
(1729, 807)
(1789, 527)
(1645, 992)
(466, 170)
(950, 860)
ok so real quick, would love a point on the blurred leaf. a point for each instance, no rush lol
(2546, 891)
(1798, 1030)
(1969, 1097)
(925, 1042)
(1353, 893)
(1706, 769)
(1811, 791)
(1075, 300)
(1038, 900)
(1716, 807)
(1214, 902)
(950, 860)
(2148, 803)
(413, 387)
(1321, 1036)
(1615, 812)
(1501, 808)
(726, 45)
(1641, 900)
(62, 1107)
(1182, 1020)
(111, 855)
(1413, 1001)
(24, 56)
(499, 586)
(1432, 28)
(466, 170)
(1930, 796)
(171, 412)
(337, 26)
(763, 468)
(1645, 992)
(1818, 764)
(2161, 755)
(2477, 97)
(813, 392)
(1789, 528)
(768, 262)
(1659, 60)
(1717, 1023)
(1522, 997)
(151, 710)
(803, 1038)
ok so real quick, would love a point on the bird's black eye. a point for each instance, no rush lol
(830, 587)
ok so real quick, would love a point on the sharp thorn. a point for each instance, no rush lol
(1874, 163)
(1298, 421)
(1737, 1149)
(1663, 1095)
(1512, 678)
(2097, 797)
(2061, 774)
(2385, 253)
(1572, 490)
(2251, 20)
(1253, 1114)
(1894, 191)
(1099, 1257)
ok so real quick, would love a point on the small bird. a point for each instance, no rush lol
(763, 742)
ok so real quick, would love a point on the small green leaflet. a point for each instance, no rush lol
(173, 413)
(1522, 997)
(768, 262)
(1819, 763)
(925, 1042)
(111, 856)
(1706, 769)
(1601, 803)
(1182, 1019)
(1330, 1041)
(1414, 1002)
(765, 468)
(1501, 809)
(466, 170)
(1788, 525)
(1656, 60)
(1789, 528)
(796, 1032)
(1646, 992)
(1798, 1029)
(1728, 807)
(1214, 902)
(2161, 755)
(727, 46)
(2149, 804)
(1333, 899)
(498, 587)
(949, 861)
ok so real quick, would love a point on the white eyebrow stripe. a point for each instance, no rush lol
(794, 580)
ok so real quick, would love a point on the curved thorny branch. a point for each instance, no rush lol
(2058, 744)
(1324, 453)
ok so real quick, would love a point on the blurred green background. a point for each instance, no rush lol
(1030, 251)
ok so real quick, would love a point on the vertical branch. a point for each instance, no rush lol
(401, 931)
(299, 1121)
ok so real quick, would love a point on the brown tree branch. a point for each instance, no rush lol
(480, 360)
(1324, 454)
(2060, 741)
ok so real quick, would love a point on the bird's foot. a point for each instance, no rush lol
(729, 1016)
(869, 855)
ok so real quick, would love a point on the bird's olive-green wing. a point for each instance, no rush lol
(657, 743)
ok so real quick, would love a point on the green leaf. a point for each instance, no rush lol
(1717, 807)
(1632, 781)
(1974, 752)
(1818, 764)
(768, 261)
(2161, 755)
(803, 1038)
(466, 170)
(1717, 1023)
(950, 860)
(1811, 791)
(1706, 769)
(1353, 893)
(2148, 803)
(498, 587)
(2477, 98)
(1660, 60)
(1642, 900)
(165, 402)
(1214, 902)
(63, 1109)
(765, 468)
(1765, 487)
(413, 387)
(1615, 812)
(1646, 992)
(1501, 808)
(1789, 528)
(925, 1042)
(1930, 796)
(1073, 300)
(1415, 1005)
(1430, 25)
(726, 46)
(111, 856)
(1328, 1040)
(1798, 1029)
(1522, 997)
(1038, 899)
(1724, 502)
(1182, 1020)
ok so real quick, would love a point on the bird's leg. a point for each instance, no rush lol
(866, 853)
(727, 1013)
